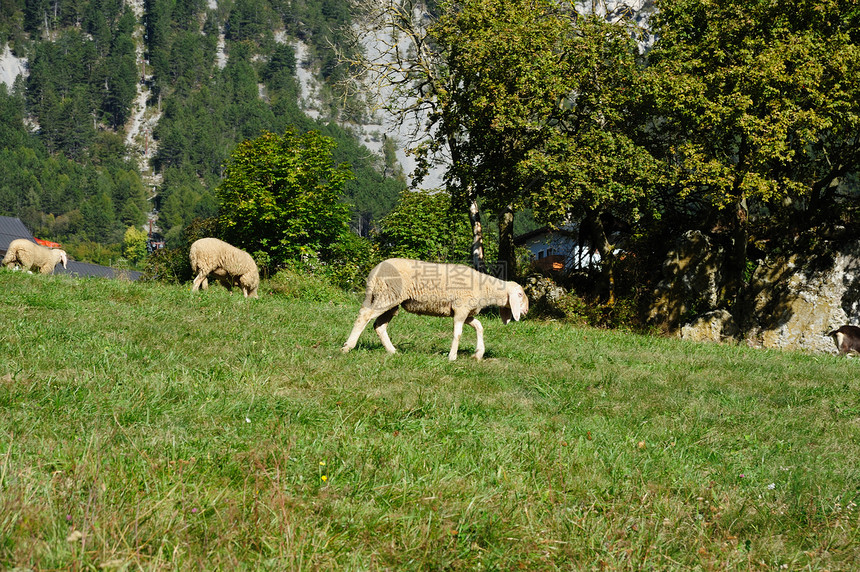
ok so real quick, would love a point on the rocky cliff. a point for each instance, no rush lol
(791, 301)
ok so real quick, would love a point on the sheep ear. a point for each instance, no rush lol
(514, 301)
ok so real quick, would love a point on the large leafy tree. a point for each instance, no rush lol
(544, 109)
(760, 112)
(530, 102)
(423, 225)
(281, 195)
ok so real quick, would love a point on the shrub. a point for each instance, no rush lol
(295, 281)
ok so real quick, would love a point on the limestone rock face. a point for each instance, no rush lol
(543, 292)
(690, 280)
(790, 302)
(716, 326)
(795, 301)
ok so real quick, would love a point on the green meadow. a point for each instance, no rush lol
(146, 428)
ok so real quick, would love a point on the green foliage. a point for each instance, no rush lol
(758, 108)
(134, 245)
(423, 225)
(66, 200)
(183, 197)
(298, 281)
(94, 252)
(759, 99)
(263, 262)
(352, 258)
(250, 20)
(84, 75)
(545, 98)
(171, 264)
(168, 265)
(13, 133)
(373, 191)
(283, 61)
(12, 23)
(204, 119)
(281, 195)
(80, 76)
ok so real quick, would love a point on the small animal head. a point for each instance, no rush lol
(63, 258)
(518, 303)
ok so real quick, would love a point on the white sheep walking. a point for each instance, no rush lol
(227, 263)
(434, 289)
(31, 256)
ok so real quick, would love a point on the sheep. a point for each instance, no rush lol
(847, 339)
(432, 289)
(227, 263)
(30, 255)
(223, 278)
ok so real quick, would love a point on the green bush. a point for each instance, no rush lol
(172, 264)
(299, 281)
(352, 259)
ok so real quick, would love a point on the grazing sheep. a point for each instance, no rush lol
(221, 276)
(434, 290)
(227, 263)
(29, 255)
(847, 339)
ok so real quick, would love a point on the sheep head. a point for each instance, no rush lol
(518, 303)
(63, 258)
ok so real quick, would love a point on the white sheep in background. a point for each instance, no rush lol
(227, 263)
(31, 256)
(434, 289)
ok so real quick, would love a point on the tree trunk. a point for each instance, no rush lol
(821, 199)
(507, 252)
(477, 233)
(600, 241)
(736, 256)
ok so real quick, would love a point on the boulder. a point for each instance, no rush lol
(690, 281)
(715, 326)
(794, 301)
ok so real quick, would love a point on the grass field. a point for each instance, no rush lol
(143, 427)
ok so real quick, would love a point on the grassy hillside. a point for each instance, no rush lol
(145, 427)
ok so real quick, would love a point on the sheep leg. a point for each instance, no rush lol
(479, 330)
(365, 315)
(381, 327)
(455, 344)
(460, 318)
(199, 281)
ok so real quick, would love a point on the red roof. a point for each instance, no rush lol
(47, 243)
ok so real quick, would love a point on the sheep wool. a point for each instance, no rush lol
(430, 289)
(228, 264)
(31, 256)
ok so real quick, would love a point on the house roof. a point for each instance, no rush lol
(84, 269)
(12, 228)
(544, 230)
